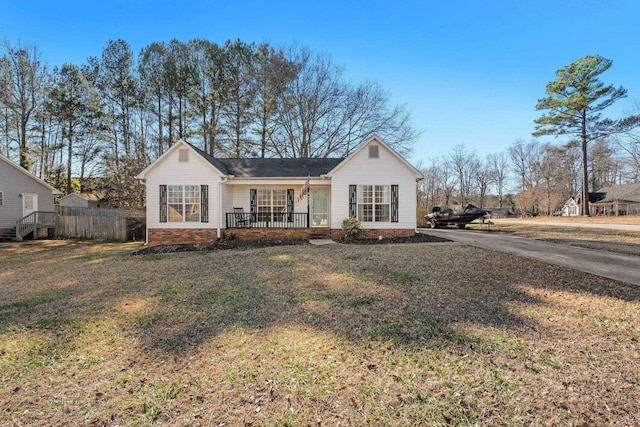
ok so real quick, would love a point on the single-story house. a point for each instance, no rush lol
(570, 208)
(621, 199)
(194, 197)
(23, 196)
(82, 200)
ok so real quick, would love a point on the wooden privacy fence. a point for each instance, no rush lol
(99, 223)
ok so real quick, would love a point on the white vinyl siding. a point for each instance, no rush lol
(387, 170)
(170, 172)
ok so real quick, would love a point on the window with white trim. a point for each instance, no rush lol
(374, 203)
(271, 201)
(183, 202)
(1, 198)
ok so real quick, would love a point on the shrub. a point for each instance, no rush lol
(228, 235)
(351, 228)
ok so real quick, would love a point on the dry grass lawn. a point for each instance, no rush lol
(405, 334)
(620, 241)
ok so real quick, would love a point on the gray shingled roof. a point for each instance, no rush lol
(271, 167)
(622, 192)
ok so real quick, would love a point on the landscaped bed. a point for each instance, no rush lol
(223, 244)
(402, 334)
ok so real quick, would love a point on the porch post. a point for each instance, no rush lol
(308, 209)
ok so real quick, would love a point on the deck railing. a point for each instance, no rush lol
(267, 220)
(33, 221)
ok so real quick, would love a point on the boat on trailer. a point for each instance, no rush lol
(443, 217)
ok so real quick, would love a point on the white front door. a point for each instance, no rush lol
(29, 203)
(319, 208)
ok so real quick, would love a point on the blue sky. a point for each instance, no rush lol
(470, 72)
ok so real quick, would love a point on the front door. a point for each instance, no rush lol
(319, 208)
(29, 203)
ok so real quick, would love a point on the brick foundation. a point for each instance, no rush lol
(172, 236)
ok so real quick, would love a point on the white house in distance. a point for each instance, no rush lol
(21, 194)
(193, 197)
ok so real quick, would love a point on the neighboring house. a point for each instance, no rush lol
(621, 199)
(570, 208)
(193, 197)
(82, 200)
(21, 194)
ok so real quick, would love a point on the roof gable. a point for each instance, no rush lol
(180, 144)
(277, 167)
(376, 140)
(29, 174)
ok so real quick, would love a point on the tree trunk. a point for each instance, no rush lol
(585, 171)
(69, 159)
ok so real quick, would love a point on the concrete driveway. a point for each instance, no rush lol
(625, 268)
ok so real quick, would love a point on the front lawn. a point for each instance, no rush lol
(398, 334)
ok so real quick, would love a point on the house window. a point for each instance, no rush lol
(373, 151)
(183, 155)
(28, 201)
(374, 203)
(1, 198)
(269, 201)
(183, 202)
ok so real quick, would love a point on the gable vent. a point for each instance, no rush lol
(373, 151)
(183, 155)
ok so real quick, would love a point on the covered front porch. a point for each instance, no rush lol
(240, 219)
(278, 208)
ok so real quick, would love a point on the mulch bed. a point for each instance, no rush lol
(263, 243)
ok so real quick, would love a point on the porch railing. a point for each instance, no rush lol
(33, 221)
(267, 220)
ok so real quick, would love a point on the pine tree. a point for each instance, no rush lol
(575, 102)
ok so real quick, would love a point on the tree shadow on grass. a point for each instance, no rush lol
(414, 295)
(444, 330)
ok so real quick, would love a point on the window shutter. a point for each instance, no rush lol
(163, 203)
(353, 201)
(253, 200)
(290, 196)
(204, 203)
(394, 203)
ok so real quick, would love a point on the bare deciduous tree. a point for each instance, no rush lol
(21, 91)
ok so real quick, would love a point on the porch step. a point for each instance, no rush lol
(8, 235)
(319, 235)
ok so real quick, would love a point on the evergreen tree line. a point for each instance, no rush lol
(94, 126)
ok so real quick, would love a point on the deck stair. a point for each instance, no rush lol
(9, 235)
(29, 225)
